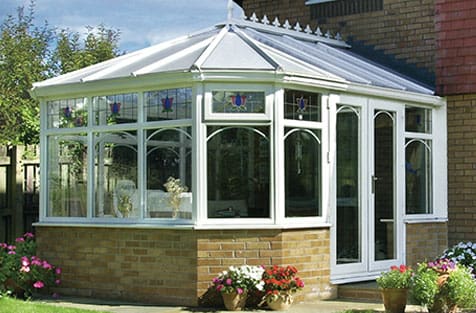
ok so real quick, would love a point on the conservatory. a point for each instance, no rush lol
(252, 142)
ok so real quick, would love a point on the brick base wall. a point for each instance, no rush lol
(461, 168)
(425, 241)
(176, 266)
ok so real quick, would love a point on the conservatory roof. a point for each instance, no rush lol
(248, 45)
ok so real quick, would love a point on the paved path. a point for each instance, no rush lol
(330, 306)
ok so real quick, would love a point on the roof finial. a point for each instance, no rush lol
(230, 9)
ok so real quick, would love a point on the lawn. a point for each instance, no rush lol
(10, 305)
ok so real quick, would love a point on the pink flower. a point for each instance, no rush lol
(228, 281)
(239, 291)
(25, 269)
(58, 281)
(3, 245)
(47, 266)
(39, 284)
(11, 252)
(35, 262)
(25, 261)
(58, 271)
(11, 247)
(20, 239)
(220, 287)
(28, 235)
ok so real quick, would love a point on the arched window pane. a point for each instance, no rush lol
(418, 179)
(116, 175)
(238, 172)
(169, 156)
(303, 173)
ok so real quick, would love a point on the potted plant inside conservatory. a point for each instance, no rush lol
(280, 282)
(394, 286)
(235, 283)
(443, 286)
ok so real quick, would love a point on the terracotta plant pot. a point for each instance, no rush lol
(234, 301)
(394, 299)
(281, 304)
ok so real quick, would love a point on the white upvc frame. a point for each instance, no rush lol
(343, 273)
(309, 2)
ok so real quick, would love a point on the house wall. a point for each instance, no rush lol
(404, 29)
(176, 266)
(425, 241)
(462, 167)
(456, 54)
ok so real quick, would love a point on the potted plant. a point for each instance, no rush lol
(280, 282)
(175, 189)
(463, 253)
(443, 286)
(235, 283)
(394, 286)
(21, 271)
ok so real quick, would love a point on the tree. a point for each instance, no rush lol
(100, 44)
(30, 53)
(24, 52)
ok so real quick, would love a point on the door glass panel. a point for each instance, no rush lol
(348, 210)
(383, 185)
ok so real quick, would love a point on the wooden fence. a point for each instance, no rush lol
(19, 190)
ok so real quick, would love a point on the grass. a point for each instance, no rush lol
(11, 305)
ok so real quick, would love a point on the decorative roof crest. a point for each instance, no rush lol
(287, 25)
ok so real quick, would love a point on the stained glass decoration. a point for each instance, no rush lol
(167, 104)
(239, 102)
(302, 104)
(67, 112)
(115, 108)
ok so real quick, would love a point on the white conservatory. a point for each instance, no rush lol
(247, 143)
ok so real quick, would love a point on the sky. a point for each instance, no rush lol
(141, 23)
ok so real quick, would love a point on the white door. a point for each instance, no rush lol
(367, 230)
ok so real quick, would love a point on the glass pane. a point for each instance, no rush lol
(169, 104)
(418, 192)
(238, 172)
(383, 183)
(116, 175)
(67, 176)
(417, 120)
(115, 109)
(348, 204)
(302, 105)
(302, 173)
(67, 113)
(169, 156)
(238, 102)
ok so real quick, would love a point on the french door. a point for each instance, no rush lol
(367, 231)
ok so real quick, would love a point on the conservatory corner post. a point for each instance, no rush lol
(199, 170)
(278, 150)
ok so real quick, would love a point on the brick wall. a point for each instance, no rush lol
(177, 266)
(404, 29)
(462, 167)
(456, 55)
(425, 241)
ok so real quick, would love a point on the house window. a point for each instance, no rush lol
(302, 172)
(322, 9)
(115, 109)
(169, 156)
(116, 175)
(169, 104)
(67, 176)
(302, 105)
(238, 102)
(238, 177)
(418, 161)
(67, 113)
